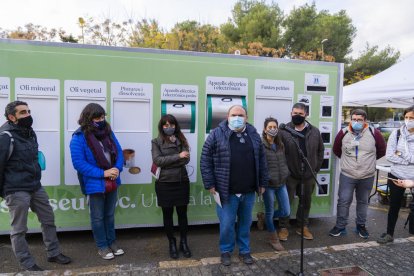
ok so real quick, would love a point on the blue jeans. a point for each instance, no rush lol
(102, 212)
(282, 203)
(240, 208)
(347, 186)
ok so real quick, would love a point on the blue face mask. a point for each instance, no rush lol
(236, 122)
(357, 126)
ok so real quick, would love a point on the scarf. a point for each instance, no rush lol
(105, 138)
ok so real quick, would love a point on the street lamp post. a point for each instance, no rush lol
(322, 42)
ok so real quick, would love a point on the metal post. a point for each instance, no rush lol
(322, 42)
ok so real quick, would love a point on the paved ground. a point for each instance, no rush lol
(147, 251)
(394, 259)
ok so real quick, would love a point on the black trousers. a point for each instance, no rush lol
(167, 213)
(396, 196)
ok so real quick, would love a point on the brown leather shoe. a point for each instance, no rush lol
(260, 220)
(275, 243)
(283, 234)
(307, 235)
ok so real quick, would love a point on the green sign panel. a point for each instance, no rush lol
(136, 86)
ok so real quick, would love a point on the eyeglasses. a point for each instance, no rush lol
(242, 140)
(358, 120)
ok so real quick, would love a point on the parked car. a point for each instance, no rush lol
(374, 124)
(389, 126)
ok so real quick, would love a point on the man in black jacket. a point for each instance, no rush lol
(313, 148)
(20, 186)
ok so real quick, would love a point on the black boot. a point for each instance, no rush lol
(173, 248)
(184, 247)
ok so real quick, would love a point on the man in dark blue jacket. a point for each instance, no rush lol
(21, 188)
(233, 165)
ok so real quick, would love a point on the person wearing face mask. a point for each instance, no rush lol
(358, 146)
(400, 152)
(233, 164)
(278, 174)
(21, 187)
(98, 159)
(313, 149)
(171, 152)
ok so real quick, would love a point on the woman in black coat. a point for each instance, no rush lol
(170, 153)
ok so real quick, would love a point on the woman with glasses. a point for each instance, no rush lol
(170, 153)
(98, 159)
(400, 152)
(278, 174)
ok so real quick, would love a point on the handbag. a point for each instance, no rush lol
(110, 185)
(155, 171)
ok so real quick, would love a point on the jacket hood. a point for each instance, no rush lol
(9, 126)
(78, 131)
(224, 125)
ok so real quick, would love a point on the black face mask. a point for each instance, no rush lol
(25, 122)
(297, 119)
(100, 125)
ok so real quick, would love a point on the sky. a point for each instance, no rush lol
(378, 22)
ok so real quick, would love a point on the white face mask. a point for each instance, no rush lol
(409, 123)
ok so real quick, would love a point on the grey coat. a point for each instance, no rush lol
(276, 164)
(166, 156)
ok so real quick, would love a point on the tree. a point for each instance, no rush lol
(255, 21)
(370, 62)
(257, 49)
(3, 33)
(306, 28)
(185, 36)
(32, 32)
(82, 23)
(192, 36)
(67, 38)
(107, 32)
(146, 33)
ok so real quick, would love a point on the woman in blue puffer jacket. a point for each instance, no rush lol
(97, 156)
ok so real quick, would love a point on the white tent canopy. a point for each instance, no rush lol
(393, 87)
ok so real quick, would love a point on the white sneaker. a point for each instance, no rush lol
(116, 250)
(106, 254)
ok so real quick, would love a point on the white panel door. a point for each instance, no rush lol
(73, 110)
(132, 127)
(3, 103)
(46, 122)
(270, 107)
(131, 116)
